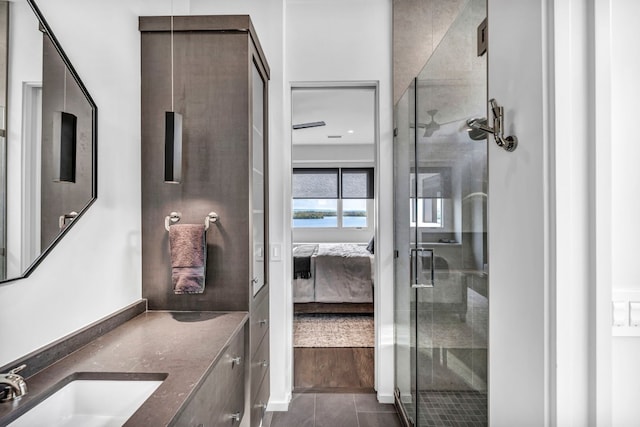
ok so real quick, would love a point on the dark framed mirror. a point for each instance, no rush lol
(48, 141)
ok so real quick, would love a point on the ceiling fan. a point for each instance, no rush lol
(432, 126)
(308, 125)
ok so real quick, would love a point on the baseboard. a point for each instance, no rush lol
(279, 406)
(386, 398)
(333, 308)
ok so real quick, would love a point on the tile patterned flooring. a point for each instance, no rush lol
(452, 409)
(334, 410)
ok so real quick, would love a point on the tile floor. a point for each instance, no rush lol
(451, 409)
(334, 410)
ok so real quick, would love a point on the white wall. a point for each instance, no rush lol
(96, 269)
(351, 41)
(550, 199)
(517, 220)
(625, 104)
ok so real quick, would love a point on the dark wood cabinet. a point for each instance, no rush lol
(211, 70)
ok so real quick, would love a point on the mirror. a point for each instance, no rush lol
(47, 141)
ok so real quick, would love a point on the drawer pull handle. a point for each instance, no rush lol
(236, 360)
(262, 322)
(264, 363)
(235, 417)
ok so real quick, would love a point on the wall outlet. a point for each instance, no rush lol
(625, 313)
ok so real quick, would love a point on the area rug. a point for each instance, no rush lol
(333, 330)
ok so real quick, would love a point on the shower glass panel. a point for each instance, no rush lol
(441, 279)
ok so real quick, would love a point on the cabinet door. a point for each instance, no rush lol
(258, 199)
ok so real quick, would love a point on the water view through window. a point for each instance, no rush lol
(323, 213)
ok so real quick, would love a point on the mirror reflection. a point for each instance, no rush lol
(47, 141)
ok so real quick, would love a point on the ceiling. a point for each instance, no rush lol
(349, 114)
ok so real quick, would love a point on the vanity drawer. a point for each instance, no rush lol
(259, 365)
(231, 412)
(259, 322)
(223, 392)
(230, 367)
(259, 403)
(219, 407)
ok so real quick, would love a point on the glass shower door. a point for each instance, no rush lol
(404, 235)
(440, 234)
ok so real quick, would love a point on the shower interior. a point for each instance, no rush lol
(440, 236)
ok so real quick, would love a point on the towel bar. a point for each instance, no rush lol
(174, 217)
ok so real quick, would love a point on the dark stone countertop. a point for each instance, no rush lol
(183, 346)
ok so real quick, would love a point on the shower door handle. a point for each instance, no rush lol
(413, 260)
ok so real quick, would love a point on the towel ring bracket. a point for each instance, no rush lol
(172, 218)
(209, 219)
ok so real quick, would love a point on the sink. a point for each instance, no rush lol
(89, 403)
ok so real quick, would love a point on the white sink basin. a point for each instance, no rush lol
(89, 403)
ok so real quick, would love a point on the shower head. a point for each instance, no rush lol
(475, 128)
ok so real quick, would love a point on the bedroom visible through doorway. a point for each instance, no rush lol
(333, 231)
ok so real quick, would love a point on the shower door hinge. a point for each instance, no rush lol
(483, 37)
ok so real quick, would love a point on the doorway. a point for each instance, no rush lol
(334, 141)
(440, 235)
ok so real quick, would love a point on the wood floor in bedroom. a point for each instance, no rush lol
(333, 352)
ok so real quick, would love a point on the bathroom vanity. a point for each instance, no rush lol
(200, 357)
(212, 70)
(209, 350)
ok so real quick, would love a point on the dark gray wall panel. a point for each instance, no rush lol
(211, 92)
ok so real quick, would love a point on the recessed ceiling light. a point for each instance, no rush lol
(350, 131)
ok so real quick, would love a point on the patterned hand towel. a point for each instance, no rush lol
(188, 258)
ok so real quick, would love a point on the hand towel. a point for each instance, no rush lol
(188, 258)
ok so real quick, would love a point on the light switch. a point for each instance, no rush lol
(620, 313)
(634, 313)
(276, 252)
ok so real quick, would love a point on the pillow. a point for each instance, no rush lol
(371, 245)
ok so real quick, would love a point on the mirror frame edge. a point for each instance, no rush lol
(94, 143)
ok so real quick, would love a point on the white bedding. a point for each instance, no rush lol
(343, 274)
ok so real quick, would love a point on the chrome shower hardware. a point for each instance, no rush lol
(13, 385)
(509, 143)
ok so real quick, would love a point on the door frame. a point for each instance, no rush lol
(379, 327)
(31, 171)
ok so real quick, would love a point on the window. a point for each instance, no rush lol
(332, 197)
(433, 185)
(429, 213)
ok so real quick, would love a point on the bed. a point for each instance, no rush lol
(332, 273)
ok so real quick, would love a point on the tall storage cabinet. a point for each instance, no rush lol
(211, 70)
